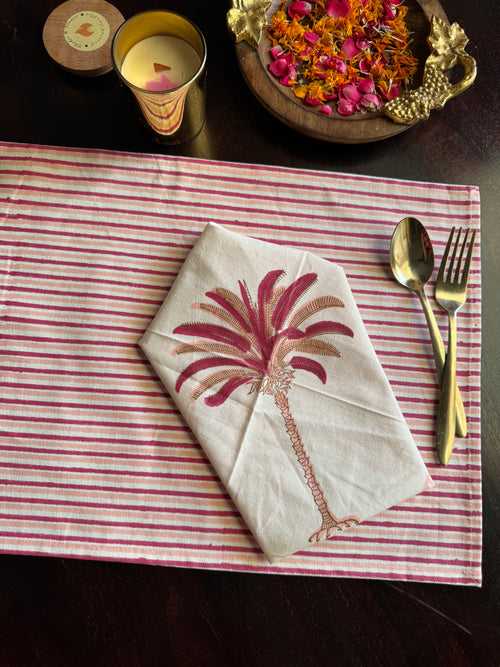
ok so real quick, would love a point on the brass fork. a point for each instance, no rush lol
(451, 294)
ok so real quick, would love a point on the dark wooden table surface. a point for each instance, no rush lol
(67, 612)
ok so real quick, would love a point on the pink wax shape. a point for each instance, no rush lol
(160, 83)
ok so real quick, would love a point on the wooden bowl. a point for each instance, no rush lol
(356, 129)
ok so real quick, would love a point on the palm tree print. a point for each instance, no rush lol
(262, 344)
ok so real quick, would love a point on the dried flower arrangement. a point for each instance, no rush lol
(352, 53)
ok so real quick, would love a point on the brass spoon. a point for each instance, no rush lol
(412, 264)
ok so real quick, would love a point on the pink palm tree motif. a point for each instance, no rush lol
(255, 347)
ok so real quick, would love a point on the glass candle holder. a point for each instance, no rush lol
(161, 57)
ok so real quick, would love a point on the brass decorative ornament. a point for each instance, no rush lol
(247, 19)
(448, 44)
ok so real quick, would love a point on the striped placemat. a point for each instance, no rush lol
(96, 462)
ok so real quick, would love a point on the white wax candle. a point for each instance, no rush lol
(160, 62)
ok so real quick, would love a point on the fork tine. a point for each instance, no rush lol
(453, 256)
(445, 256)
(459, 263)
(465, 274)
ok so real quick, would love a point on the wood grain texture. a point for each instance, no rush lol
(360, 128)
(62, 612)
(91, 63)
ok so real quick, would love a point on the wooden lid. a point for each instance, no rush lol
(78, 35)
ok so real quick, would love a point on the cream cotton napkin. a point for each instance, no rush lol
(265, 354)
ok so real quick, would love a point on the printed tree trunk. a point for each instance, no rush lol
(254, 347)
(329, 523)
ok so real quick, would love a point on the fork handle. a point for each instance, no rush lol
(447, 410)
(439, 359)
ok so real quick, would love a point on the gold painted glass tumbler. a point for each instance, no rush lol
(161, 57)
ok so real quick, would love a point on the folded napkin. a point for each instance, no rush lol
(266, 356)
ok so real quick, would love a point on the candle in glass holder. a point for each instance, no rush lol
(161, 57)
(160, 62)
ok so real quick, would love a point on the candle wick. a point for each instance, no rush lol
(158, 67)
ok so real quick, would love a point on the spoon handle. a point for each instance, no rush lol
(440, 359)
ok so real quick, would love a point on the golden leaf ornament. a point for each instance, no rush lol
(246, 20)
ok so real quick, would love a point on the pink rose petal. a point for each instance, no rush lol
(364, 65)
(389, 10)
(332, 95)
(366, 86)
(325, 109)
(340, 66)
(394, 91)
(338, 8)
(351, 93)
(290, 77)
(371, 101)
(349, 48)
(362, 43)
(311, 37)
(345, 108)
(306, 52)
(299, 9)
(332, 62)
(277, 52)
(279, 67)
(313, 101)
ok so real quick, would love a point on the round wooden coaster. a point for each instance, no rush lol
(77, 35)
(361, 128)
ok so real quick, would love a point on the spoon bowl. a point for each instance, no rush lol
(411, 254)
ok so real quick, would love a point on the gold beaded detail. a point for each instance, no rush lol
(448, 44)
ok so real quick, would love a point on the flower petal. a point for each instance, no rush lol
(371, 101)
(365, 65)
(330, 95)
(389, 10)
(326, 110)
(345, 108)
(366, 86)
(311, 37)
(290, 78)
(340, 66)
(394, 91)
(299, 9)
(351, 93)
(338, 8)
(349, 48)
(277, 52)
(313, 101)
(279, 67)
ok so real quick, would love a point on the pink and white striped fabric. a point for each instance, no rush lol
(96, 462)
